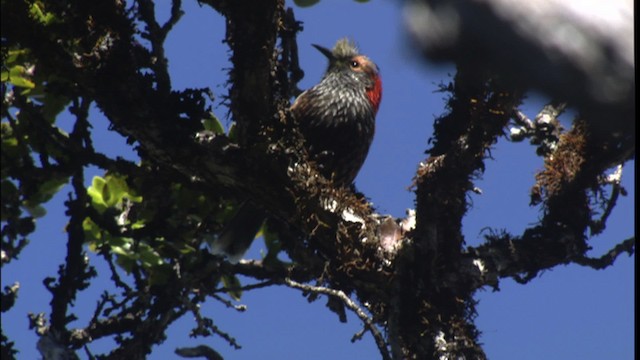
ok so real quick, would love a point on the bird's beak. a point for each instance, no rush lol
(326, 52)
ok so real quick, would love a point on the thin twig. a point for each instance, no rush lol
(157, 34)
(229, 304)
(200, 351)
(614, 179)
(368, 322)
(204, 324)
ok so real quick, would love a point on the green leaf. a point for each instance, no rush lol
(272, 242)
(114, 190)
(138, 225)
(45, 192)
(233, 132)
(120, 189)
(126, 263)
(233, 284)
(148, 256)
(212, 123)
(36, 211)
(92, 234)
(108, 192)
(160, 275)
(122, 246)
(39, 14)
(10, 197)
(95, 192)
(53, 105)
(51, 187)
(10, 150)
(305, 3)
(13, 55)
(18, 75)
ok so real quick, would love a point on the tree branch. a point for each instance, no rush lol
(157, 35)
(610, 257)
(368, 322)
(480, 107)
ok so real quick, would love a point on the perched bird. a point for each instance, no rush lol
(337, 120)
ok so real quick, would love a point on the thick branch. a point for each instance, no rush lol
(480, 108)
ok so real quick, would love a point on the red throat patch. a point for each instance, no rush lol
(375, 93)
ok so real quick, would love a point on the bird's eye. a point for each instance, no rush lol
(355, 64)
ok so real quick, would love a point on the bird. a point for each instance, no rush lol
(336, 118)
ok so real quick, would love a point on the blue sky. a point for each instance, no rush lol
(568, 312)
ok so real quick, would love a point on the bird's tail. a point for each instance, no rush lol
(238, 234)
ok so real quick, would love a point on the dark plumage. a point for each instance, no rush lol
(337, 120)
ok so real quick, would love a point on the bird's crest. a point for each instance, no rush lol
(345, 48)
